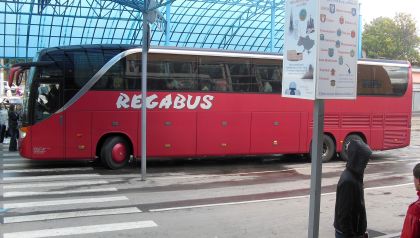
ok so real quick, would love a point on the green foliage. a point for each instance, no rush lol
(392, 38)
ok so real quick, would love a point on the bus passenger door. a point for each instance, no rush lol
(48, 129)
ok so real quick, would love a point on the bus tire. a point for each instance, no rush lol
(343, 154)
(328, 149)
(115, 152)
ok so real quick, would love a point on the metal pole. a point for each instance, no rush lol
(273, 18)
(168, 24)
(1, 77)
(360, 54)
(316, 168)
(144, 94)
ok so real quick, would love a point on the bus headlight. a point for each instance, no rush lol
(22, 132)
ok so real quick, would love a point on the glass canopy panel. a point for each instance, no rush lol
(27, 26)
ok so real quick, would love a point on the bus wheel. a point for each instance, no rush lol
(115, 152)
(343, 154)
(328, 149)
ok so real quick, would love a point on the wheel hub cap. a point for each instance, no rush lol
(119, 153)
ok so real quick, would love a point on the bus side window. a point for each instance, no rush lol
(399, 79)
(242, 79)
(269, 78)
(212, 77)
(106, 82)
(373, 80)
(182, 76)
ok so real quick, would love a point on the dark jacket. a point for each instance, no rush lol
(350, 213)
(13, 119)
(411, 228)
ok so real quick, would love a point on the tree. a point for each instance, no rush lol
(392, 38)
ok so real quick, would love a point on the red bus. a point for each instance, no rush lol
(83, 102)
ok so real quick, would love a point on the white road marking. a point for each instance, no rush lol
(11, 154)
(54, 184)
(12, 159)
(395, 235)
(61, 215)
(15, 165)
(63, 202)
(46, 170)
(50, 177)
(78, 230)
(265, 200)
(34, 193)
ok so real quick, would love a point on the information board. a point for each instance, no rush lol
(320, 49)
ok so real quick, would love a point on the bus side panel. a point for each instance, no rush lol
(304, 133)
(275, 132)
(111, 122)
(376, 141)
(78, 135)
(171, 134)
(223, 133)
(396, 131)
(48, 138)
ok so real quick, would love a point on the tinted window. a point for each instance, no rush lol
(77, 66)
(47, 100)
(268, 75)
(242, 77)
(381, 80)
(212, 75)
(164, 73)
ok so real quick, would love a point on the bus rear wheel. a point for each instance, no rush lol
(343, 154)
(115, 152)
(328, 149)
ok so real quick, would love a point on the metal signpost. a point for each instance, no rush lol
(144, 52)
(151, 14)
(320, 62)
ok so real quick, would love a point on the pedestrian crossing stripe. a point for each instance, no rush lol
(78, 230)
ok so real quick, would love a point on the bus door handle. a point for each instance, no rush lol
(61, 120)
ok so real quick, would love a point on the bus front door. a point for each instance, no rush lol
(47, 133)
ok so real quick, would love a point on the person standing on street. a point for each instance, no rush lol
(350, 212)
(411, 227)
(4, 122)
(13, 128)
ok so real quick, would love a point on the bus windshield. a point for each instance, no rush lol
(26, 95)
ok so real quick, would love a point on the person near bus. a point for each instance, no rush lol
(4, 122)
(13, 128)
(411, 227)
(350, 212)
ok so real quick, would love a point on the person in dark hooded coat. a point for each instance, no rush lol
(350, 212)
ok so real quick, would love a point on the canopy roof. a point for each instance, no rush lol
(26, 26)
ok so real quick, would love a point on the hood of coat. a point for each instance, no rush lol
(358, 156)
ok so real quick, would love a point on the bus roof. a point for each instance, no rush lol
(209, 52)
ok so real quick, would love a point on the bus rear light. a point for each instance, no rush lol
(223, 145)
(275, 142)
(167, 145)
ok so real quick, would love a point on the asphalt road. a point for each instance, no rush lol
(229, 197)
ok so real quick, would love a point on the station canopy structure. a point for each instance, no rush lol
(27, 26)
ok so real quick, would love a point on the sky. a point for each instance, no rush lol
(371, 9)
